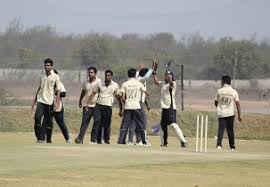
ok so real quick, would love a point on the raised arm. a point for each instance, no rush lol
(154, 73)
(147, 75)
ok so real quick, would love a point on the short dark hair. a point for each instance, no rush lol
(109, 71)
(143, 71)
(131, 72)
(48, 61)
(226, 79)
(93, 68)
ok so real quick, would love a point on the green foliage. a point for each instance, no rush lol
(240, 54)
(95, 50)
(5, 97)
(203, 58)
(254, 126)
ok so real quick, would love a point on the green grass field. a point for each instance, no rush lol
(253, 126)
(25, 163)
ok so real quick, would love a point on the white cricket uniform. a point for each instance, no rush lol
(132, 90)
(226, 96)
(106, 93)
(165, 99)
(46, 92)
(89, 87)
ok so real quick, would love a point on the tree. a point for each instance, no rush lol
(95, 50)
(240, 54)
(25, 55)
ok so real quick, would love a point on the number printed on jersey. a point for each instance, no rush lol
(226, 101)
(132, 93)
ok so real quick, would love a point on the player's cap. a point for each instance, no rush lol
(170, 72)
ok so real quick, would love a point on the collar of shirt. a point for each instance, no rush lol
(93, 80)
(104, 83)
(227, 85)
(50, 73)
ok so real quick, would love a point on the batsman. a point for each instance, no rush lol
(168, 106)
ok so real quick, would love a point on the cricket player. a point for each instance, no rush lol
(44, 98)
(224, 101)
(131, 91)
(168, 106)
(106, 90)
(143, 74)
(89, 107)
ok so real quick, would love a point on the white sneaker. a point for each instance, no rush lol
(69, 140)
(139, 143)
(147, 144)
(93, 143)
(219, 147)
(232, 149)
(130, 143)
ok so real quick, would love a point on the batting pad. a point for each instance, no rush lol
(178, 132)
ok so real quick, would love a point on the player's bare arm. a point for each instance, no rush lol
(120, 104)
(122, 98)
(154, 67)
(81, 97)
(238, 110)
(35, 98)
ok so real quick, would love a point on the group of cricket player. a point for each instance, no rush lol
(98, 96)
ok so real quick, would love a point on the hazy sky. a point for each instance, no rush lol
(217, 18)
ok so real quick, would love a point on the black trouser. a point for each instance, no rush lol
(129, 117)
(59, 118)
(168, 117)
(105, 115)
(88, 112)
(134, 129)
(227, 123)
(44, 111)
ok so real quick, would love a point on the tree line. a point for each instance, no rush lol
(202, 58)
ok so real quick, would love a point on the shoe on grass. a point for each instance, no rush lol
(69, 140)
(219, 147)
(184, 144)
(78, 141)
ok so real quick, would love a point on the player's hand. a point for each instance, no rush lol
(80, 104)
(154, 65)
(33, 104)
(33, 107)
(239, 119)
(56, 106)
(141, 66)
(121, 112)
